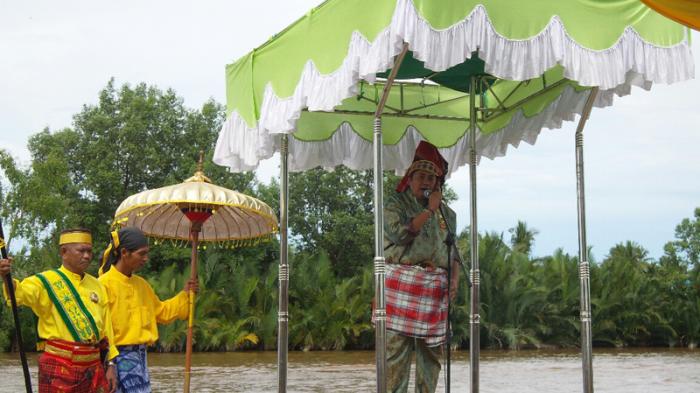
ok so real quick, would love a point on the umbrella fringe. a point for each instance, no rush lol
(230, 244)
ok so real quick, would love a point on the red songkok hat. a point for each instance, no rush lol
(427, 158)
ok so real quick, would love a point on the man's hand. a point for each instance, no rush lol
(5, 266)
(191, 285)
(434, 200)
(111, 375)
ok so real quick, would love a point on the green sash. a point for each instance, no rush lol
(69, 305)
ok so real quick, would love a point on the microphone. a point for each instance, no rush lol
(426, 193)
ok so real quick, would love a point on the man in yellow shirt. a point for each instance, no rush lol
(136, 309)
(74, 320)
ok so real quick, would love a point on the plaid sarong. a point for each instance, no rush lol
(132, 369)
(416, 302)
(71, 368)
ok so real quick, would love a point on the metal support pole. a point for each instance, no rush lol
(474, 318)
(379, 266)
(282, 314)
(584, 266)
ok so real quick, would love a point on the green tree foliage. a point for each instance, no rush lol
(326, 311)
(624, 307)
(131, 140)
(142, 137)
(332, 211)
(562, 303)
(679, 282)
(522, 238)
(686, 248)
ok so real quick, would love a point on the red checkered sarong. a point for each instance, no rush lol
(67, 367)
(416, 302)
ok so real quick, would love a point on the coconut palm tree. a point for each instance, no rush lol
(522, 237)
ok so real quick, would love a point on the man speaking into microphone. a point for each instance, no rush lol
(416, 275)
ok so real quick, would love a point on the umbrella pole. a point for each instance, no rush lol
(282, 314)
(194, 237)
(474, 318)
(584, 265)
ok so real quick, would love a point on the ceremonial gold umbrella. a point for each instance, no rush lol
(198, 211)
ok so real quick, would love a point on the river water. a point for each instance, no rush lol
(624, 370)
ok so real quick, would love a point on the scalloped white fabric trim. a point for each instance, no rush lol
(346, 147)
(608, 68)
(631, 61)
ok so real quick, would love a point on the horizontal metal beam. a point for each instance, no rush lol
(489, 116)
(406, 115)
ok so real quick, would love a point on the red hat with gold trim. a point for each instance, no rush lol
(427, 158)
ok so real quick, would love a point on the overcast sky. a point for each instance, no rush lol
(642, 164)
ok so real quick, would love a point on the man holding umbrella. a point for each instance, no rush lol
(74, 320)
(416, 272)
(135, 307)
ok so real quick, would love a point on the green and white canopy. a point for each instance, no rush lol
(319, 80)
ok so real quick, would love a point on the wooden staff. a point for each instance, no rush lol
(15, 314)
(195, 229)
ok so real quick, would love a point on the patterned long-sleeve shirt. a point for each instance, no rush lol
(403, 246)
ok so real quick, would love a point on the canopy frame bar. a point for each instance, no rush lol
(486, 114)
(402, 115)
(490, 114)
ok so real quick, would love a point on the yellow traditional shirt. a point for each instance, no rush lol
(31, 293)
(136, 309)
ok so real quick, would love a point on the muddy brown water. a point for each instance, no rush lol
(623, 370)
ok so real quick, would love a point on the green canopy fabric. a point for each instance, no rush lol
(317, 80)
